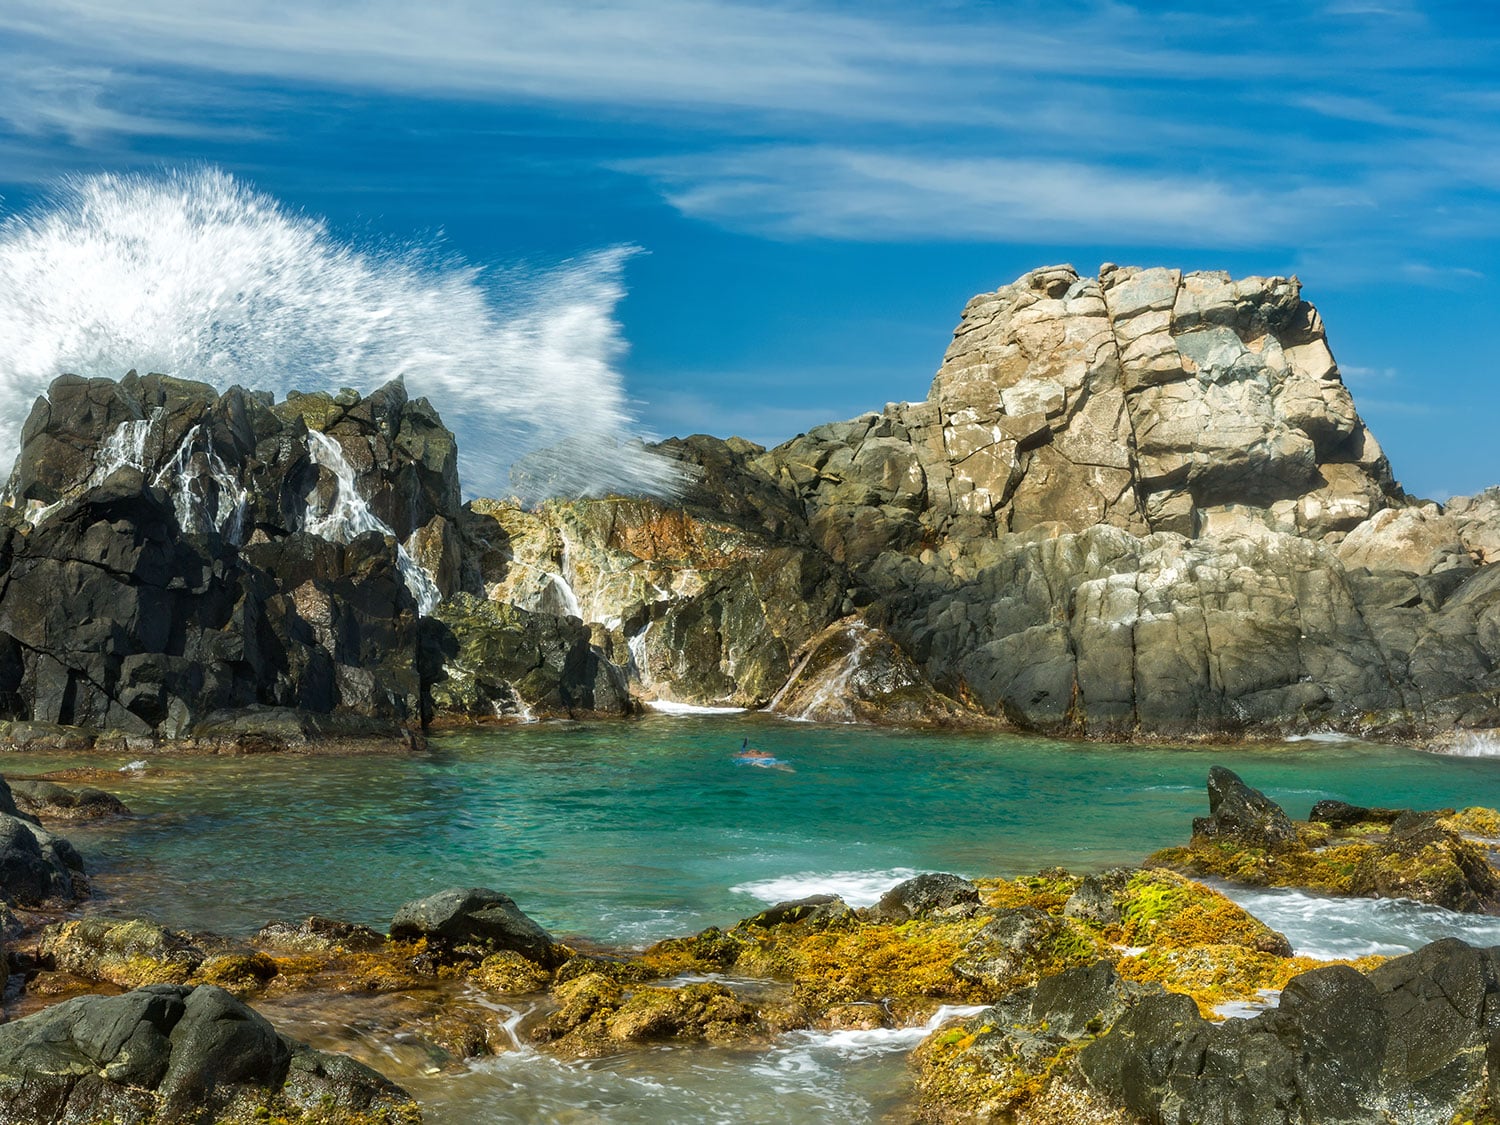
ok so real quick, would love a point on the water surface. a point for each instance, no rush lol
(628, 832)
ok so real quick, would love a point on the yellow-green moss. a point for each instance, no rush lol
(1474, 821)
(509, 973)
(1160, 907)
(1046, 891)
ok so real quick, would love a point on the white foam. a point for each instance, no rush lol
(1324, 927)
(1475, 745)
(858, 1043)
(350, 516)
(669, 707)
(857, 888)
(1321, 736)
(1265, 998)
(196, 275)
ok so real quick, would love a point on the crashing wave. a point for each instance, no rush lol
(195, 274)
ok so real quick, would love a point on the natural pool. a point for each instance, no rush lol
(629, 832)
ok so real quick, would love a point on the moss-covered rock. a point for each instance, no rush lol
(1383, 853)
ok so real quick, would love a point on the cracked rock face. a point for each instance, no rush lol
(164, 560)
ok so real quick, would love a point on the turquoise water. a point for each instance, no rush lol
(628, 832)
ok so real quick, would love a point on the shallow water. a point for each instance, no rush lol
(629, 832)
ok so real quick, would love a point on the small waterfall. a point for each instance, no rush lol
(183, 471)
(125, 446)
(829, 703)
(637, 647)
(350, 516)
(559, 597)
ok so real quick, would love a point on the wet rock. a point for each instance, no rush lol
(167, 1052)
(38, 868)
(1339, 1046)
(1238, 812)
(477, 918)
(317, 934)
(503, 660)
(1339, 814)
(56, 802)
(926, 895)
(1386, 853)
(128, 953)
(813, 911)
(851, 672)
(167, 574)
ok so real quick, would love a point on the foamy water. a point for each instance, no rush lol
(857, 888)
(1471, 746)
(1323, 927)
(197, 275)
(838, 1076)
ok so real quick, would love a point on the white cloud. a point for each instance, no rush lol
(830, 192)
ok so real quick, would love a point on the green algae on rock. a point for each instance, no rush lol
(1425, 856)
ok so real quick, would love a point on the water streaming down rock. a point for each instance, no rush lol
(197, 275)
(350, 515)
(200, 509)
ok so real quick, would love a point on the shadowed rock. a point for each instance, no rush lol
(475, 917)
(172, 1053)
(1238, 812)
(924, 895)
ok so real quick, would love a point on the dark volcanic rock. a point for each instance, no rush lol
(172, 1053)
(815, 910)
(924, 895)
(476, 917)
(1238, 812)
(37, 868)
(171, 574)
(502, 660)
(1340, 1046)
(1339, 814)
(57, 802)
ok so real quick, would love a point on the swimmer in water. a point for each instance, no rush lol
(750, 756)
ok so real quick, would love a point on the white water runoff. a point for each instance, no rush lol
(194, 274)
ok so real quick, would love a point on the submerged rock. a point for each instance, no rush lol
(48, 800)
(172, 1053)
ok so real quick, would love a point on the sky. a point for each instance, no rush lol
(813, 190)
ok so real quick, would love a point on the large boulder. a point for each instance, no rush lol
(172, 1053)
(185, 553)
(1238, 813)
(37, 868)
(926, 895)
(479, 918)
(507, 661)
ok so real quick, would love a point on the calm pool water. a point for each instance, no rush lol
(630, 832)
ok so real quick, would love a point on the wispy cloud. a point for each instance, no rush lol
(1086, 119)
(860, 194)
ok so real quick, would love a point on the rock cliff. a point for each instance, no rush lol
(1132, 505)
(1142, 503)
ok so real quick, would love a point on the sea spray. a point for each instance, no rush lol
(196, 275)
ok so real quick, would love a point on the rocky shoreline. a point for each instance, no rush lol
(1103, 996)
(1133, 506)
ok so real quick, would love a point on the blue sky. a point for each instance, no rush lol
(817, 188)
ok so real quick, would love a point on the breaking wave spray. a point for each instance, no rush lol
(196, 275)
